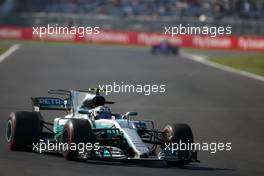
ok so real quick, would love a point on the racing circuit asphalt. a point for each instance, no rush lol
(220, 106)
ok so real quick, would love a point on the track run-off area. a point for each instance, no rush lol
(219, 106)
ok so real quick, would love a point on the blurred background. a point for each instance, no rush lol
(245, 16)
(142, 22)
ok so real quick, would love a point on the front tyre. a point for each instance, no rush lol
(76, 131)
(179, 133)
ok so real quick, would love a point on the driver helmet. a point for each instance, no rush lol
(102, 112)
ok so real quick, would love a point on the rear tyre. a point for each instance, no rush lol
(76, 131)
(23, 129)
(179, 133)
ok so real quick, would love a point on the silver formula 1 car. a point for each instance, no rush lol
(104, 135)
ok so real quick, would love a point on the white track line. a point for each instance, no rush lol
(11, 50)
(203, 60)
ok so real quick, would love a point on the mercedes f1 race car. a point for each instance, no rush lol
(165, 47)
(89, 130)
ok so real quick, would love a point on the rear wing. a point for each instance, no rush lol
(50, 103)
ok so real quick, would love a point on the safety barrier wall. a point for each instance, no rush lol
(238, 43)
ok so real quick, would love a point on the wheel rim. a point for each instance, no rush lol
(168, 132)
(9, 128)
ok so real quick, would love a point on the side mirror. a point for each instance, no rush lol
(130, 114)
